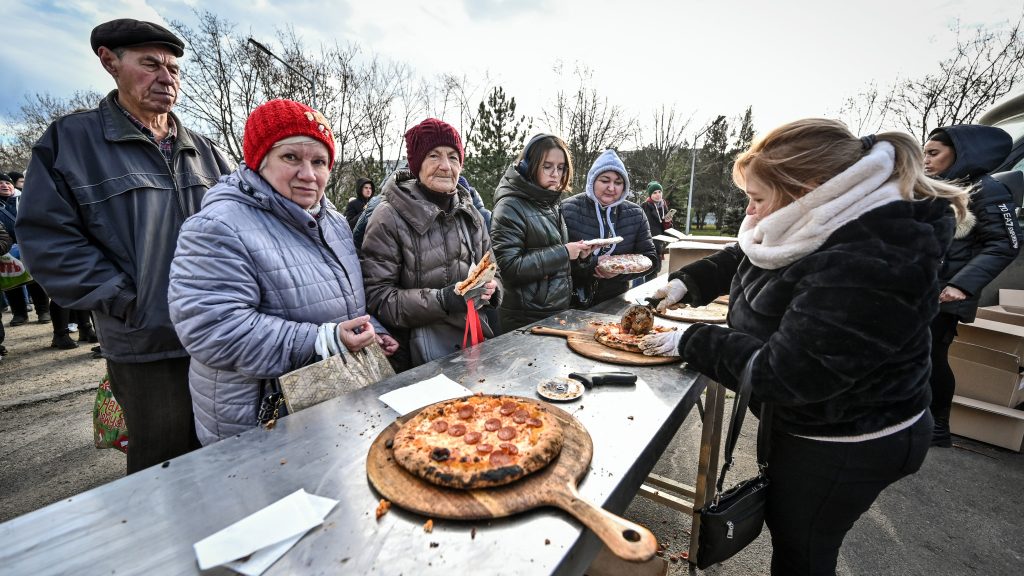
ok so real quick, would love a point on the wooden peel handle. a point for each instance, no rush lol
(553, 331)
(629, 541)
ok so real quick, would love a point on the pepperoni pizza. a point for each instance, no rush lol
(479, 441)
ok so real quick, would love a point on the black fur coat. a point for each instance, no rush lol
(844, 330)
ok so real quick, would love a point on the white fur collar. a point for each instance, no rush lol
(788, 234)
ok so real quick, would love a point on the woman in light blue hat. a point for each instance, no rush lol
(603, 211)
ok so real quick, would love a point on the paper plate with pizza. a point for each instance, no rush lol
(600, 242)
(479, 274)
(713, 313)
(624, 264)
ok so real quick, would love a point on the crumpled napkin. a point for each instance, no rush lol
(420, 394)
(255, 542)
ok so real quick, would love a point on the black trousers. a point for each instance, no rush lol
(942, 380)
(61, 316)
(819, 489)
(157, 409)
(19, 306)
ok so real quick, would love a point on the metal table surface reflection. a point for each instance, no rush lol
(146, 523)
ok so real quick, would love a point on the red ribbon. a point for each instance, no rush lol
(474, 333)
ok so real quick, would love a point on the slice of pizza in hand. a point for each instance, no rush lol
(479, 274)
(599, 242)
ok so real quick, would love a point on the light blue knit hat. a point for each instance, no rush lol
(608, 160)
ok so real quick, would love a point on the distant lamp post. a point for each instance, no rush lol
(292, 69)
(693, 168)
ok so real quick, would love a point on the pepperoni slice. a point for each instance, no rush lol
(466, 412)
(439, 426)
(534, 422)
(511, 449)
(500, 458)
(457, 430)
(492, 424)
(484, 448)
(507, 433)
(508, 407)
(472, 437)
(520, 416)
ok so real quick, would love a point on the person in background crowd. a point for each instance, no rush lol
(422, 239)
(227, 285)
(603, 211)
(18, 179)
(985, 243)
(106, 193)
(530, 241)
(656, 210)
(18, 298)
(364, 191)
(831, 288)
(5, 246)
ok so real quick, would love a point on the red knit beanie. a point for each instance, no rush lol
(280, 119)
(427, 135)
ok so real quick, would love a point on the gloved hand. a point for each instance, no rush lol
(327, 340)
(662, 344)
(671, 293)
(450, 301)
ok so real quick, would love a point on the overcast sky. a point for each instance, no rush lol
(787, 58)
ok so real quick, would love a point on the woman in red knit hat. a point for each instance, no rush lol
(421, 240)
(265, 278)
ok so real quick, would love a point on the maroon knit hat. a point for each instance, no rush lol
(427, 135)
(280, 119)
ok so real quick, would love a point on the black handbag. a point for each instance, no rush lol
(734, 518)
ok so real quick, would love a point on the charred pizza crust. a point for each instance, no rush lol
(478, 442)
(613, 336)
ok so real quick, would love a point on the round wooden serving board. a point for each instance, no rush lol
(584, 344)
(554, 485)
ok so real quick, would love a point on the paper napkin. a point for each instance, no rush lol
(420, 394)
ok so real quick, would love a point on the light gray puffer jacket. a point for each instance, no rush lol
(253, 277)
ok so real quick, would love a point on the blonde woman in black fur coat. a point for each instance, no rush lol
(834, 282)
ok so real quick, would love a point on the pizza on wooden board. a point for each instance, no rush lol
(612, 335)
(478, 442)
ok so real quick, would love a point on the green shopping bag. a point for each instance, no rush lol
(108, 426)
(12, 272)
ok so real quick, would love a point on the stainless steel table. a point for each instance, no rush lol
(146, 523)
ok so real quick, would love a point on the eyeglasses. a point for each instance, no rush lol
(557, 169)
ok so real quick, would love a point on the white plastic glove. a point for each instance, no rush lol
(327, 341)
(670, 293)
(662, 344)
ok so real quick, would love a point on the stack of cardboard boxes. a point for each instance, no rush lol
(987, 357)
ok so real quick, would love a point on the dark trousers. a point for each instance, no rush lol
(19, 305)
(157, 409)
(61, 316)
(942, 380)
(819, 489)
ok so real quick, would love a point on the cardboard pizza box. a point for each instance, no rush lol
(987, 423)
(1002, 336)
(683, 252)
(985, 374)
(1000, 314)
(1012, 300)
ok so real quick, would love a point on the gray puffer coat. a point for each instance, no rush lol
(411, 251)
(253, 277)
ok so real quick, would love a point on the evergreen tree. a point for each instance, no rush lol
(497, 138)
(736, 201)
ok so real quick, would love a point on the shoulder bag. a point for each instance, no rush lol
(735, 517)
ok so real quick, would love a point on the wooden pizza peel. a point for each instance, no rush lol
(584, 344)
(554, 485)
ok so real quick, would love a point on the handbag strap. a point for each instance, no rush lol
(739, 410)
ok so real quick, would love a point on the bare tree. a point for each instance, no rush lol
(588, 123)
(656, 148)
(33, 117)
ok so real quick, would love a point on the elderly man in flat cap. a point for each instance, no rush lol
(106, 193)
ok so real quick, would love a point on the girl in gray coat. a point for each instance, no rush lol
(265, 278)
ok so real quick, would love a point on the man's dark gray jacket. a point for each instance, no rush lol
(99, 222)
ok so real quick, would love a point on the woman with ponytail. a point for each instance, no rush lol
(833, 285)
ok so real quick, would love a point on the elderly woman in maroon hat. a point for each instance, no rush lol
(265, 278)
(422, 240)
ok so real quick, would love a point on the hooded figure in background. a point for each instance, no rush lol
(603, 211)
(364, 191)
(985, 243)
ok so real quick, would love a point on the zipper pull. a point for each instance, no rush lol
(728, 535)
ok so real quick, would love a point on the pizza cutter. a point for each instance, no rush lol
(566, 389)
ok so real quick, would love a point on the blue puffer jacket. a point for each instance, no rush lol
(253, 277)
